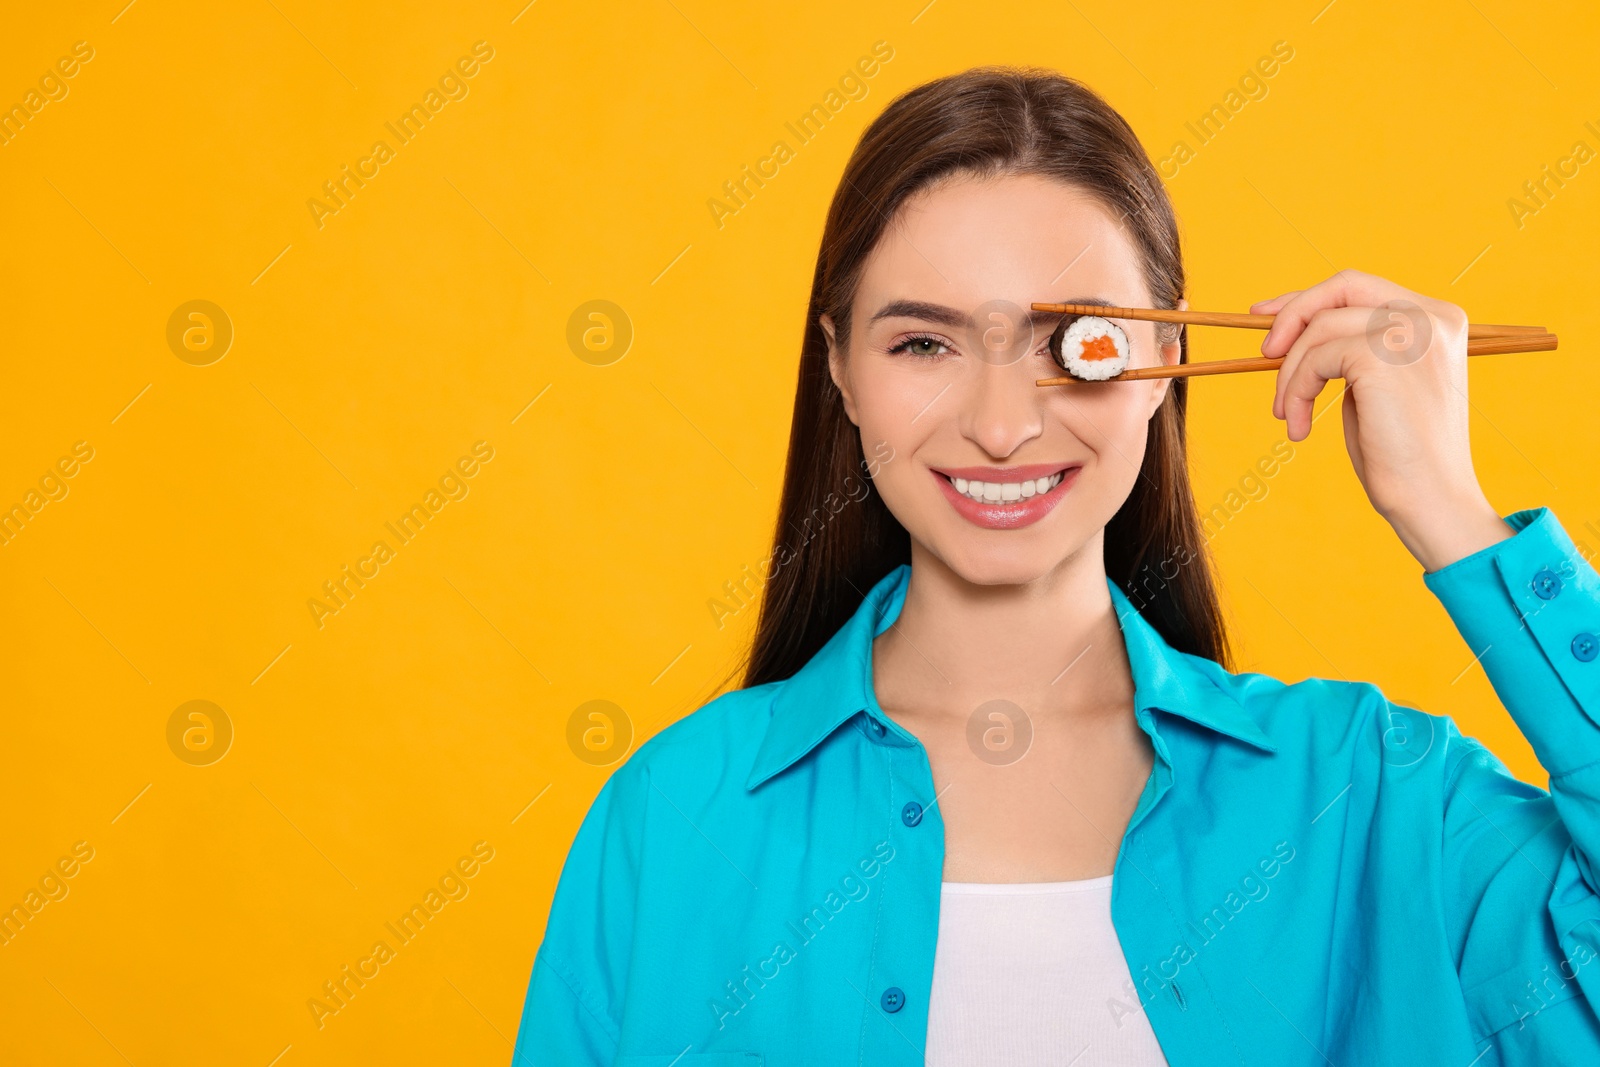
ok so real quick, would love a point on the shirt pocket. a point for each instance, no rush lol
(693, 1059)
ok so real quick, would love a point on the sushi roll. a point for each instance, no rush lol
(1091, 348)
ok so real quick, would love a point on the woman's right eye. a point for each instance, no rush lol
(921, 345)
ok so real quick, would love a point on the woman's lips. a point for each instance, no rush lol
(1000, 516)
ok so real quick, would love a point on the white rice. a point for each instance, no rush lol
(1087, 328)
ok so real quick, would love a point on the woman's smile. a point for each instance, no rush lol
(1006, 498)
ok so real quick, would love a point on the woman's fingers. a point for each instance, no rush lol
(1347, 288)
(1318, 365)
(1270, 307)
(1326, 325)
(1402, 356)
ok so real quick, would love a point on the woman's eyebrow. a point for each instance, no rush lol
(920, 309)
(953, 318)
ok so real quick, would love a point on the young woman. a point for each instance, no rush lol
(990, 794)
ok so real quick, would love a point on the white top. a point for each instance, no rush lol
(1031, 973)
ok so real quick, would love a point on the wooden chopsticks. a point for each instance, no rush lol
(1482, 339)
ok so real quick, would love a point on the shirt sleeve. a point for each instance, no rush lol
(569, 1018)
(1521, 892)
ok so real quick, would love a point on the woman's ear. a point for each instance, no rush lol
(1169, 352)
(836, 369)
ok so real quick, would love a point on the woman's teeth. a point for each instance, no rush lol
(1006, 492)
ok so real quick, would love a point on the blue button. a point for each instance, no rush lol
(893, 999)
(1585, 647)
(911, 814)
(877, 727)
(1546, 584)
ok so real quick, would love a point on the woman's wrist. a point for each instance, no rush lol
(1440, 532)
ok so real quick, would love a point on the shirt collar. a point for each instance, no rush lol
(836, 683)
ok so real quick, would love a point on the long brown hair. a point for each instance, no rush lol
(832, 546)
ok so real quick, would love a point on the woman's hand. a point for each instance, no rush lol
(1404, 359)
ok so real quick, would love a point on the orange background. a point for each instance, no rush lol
(374, 748)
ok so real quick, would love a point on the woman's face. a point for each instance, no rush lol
(941, 364)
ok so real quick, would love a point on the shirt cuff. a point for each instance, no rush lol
(1529, 608)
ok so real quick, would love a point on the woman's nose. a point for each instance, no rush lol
(1002, 408)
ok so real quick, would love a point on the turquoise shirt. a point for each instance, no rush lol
(1313, 875)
